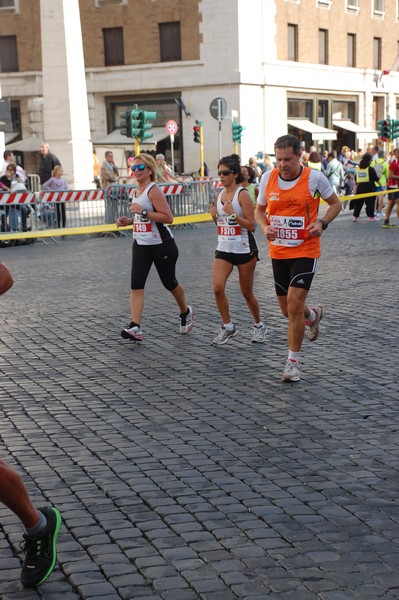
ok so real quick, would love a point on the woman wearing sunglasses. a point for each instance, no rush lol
(153, 243)
(233, 213)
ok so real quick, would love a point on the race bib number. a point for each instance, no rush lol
(290, 231)
(228, 231)
(142, 229)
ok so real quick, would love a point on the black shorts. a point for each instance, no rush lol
(294, 272)
(394, 196)
(237, 259)
(164, 256)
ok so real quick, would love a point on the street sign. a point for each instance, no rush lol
(218, 108)
(172, 127)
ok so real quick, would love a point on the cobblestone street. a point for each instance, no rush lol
(185, 471)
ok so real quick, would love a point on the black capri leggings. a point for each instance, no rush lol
(164, 256)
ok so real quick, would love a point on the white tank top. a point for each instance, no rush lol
(145, 231)
(231, 237)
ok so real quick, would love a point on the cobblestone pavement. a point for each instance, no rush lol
(184, 471)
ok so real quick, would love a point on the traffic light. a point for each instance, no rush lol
(135, 123)
(145, 125)
(125, 123)
(394, 129)
(384, 129)
(237, 130)
(196, 131)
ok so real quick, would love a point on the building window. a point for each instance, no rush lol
(352, 6)
(323, 46)
(292, 42)
(9, 6)
(8, 54)
(351, 50)
(324, 3)
(169, 36)
(301, 108)
(113, 46)
(376, 53)
(378, 8)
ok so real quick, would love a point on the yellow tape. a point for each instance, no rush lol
(201, 218)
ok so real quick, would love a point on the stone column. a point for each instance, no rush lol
(65, 111)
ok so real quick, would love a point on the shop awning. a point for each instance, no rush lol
(354, 127)
(115, 138)
(29, 144)
(318, 133)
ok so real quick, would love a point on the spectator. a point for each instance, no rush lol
(381, 167)
(393, 184)
(249, 182)
(366, 178)
(57, 183)
(164, 172)
(96, 170)
(334, 171)
(314, 161)
(347, 162)
(108, 172)
(254, 165)
(348, 187)
(47, 162)
(9, 157)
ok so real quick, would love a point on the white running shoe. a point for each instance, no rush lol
(132, 332)
(291, 371)
(259, 334)
(314, 328)
(224, 335)
(187, 322)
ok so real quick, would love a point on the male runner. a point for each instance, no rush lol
(291, 194)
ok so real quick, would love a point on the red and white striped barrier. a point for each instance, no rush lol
(72, 196)
(168, 190)
(17, 198)
(216, 185)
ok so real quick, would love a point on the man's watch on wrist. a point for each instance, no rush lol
(324, 224)
(233, 216)
(144, 213)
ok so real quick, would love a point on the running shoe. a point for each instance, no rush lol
(386, 224)
(224, 335)
(291, 371)
(354, 219)
(259, 334)
(314, 328)
(374, 219)
(187, 321)
(40, 551)
(132, 332)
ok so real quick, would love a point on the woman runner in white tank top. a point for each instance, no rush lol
(153, 244)
(233, 213)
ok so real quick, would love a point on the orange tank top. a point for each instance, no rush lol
(290, 212)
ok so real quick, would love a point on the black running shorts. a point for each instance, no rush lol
(294, 272)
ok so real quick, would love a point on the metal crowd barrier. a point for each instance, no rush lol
(53, 213)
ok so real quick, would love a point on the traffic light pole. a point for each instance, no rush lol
(202, 152)
(136, 146)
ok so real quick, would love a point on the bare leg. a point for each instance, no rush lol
(180, 297)
(221, 272)
(15, 496)
(293, 306)
(136, 305)
(246, 276)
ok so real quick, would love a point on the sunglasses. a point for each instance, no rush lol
(224, 173)
(138, 167)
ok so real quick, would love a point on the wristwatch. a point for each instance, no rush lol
(233, 216)
(324, 224)
(144, 213)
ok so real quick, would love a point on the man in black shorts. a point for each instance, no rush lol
(291, 194)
